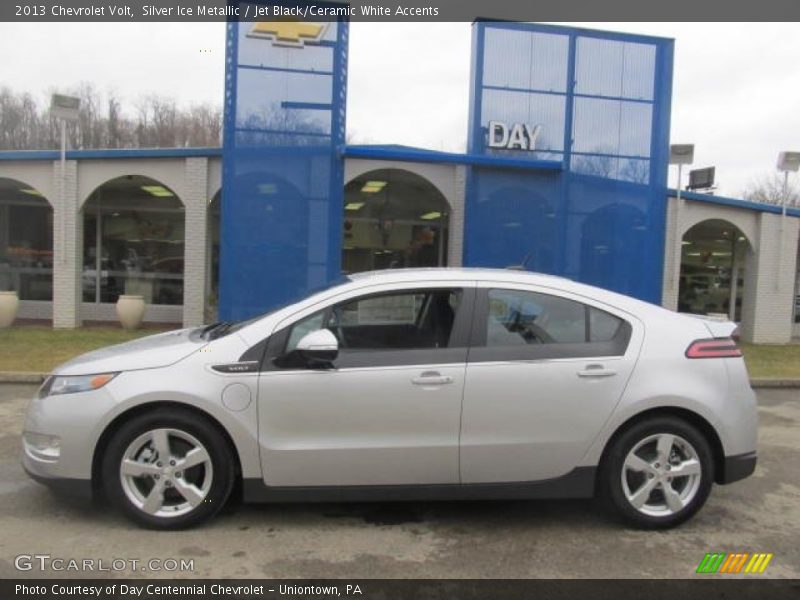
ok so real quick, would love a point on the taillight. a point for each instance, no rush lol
(713, 348)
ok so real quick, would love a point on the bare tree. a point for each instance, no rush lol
(26, 124)
(768, 189)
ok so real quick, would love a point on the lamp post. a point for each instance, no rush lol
(679, 154)
(787, 162)
(64, 108)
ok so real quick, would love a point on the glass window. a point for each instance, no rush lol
(26, 243)
(407, 320)
(133, 243)
(603, 327)
(518, 318)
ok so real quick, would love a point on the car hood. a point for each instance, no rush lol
(149, 352)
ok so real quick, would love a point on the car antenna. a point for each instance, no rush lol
(523, 266)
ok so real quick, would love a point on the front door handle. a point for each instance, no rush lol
(596, 371)
(432, 378)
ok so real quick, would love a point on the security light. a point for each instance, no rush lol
(65, 107)
(681, 154)
(788, 161)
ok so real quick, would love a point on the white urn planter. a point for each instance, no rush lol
(9, 303)
(130, 311)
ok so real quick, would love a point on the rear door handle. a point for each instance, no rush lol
(596, 371)
(432, 378)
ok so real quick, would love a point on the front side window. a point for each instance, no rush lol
(382, 330)
(405, 320)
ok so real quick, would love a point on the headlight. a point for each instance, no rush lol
(79, 383)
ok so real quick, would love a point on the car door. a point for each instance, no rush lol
(388, 411)
(544, 373)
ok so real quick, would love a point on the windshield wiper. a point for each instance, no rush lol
(215, 330)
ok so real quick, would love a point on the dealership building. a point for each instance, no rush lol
(565, 173)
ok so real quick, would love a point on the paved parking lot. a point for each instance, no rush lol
(473, 539)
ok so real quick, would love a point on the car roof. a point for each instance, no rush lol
(510, 275)
(471, 273)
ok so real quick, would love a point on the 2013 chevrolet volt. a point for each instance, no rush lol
(408, 385)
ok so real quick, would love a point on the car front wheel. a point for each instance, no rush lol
(168, 469)
(658, 473)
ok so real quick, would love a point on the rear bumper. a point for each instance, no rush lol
(738, 467)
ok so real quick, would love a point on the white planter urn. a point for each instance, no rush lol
(9, 303)
(130, 311)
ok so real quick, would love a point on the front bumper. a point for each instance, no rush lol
(76, 488)
(72, 423)
(738, 467)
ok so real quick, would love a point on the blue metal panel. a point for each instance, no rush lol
(282, 166)
(601, 219)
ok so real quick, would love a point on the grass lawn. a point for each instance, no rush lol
(40, 348)
(772, 361)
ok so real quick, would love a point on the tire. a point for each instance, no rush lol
(645, 492)
(168, 469)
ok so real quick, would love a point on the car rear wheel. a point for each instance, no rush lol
(658, 473)
(168, 469)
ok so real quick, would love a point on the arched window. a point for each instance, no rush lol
(712, 269)
(26, 241)
(393, 218)
(133, 242)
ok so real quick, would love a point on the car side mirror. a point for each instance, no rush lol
(318, 348)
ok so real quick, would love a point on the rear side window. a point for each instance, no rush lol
(603, 326)
(523, 325)
(517, 317)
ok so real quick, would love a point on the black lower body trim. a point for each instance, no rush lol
(738, 467)
(76, 488)
(578, 483)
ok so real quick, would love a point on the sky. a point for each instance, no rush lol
(736, 91)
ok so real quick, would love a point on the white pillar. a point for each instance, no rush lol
(769, 282)
(196, 232)
(67, 251)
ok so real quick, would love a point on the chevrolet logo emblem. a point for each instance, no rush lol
(291, 33)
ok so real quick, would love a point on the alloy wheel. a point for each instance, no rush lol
(661, 475)
(166, 472)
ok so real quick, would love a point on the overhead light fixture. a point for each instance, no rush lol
(157, 190)
(267, 188)
(371, 187)
(788, 161)
(685, 243)
(31, 192)
(431, 216)
(353, 205)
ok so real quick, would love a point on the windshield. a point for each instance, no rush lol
(222, 328)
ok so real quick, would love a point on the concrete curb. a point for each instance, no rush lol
(22, 377)
(774, 382)
(757, 383)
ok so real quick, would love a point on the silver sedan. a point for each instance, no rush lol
(408, 385)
